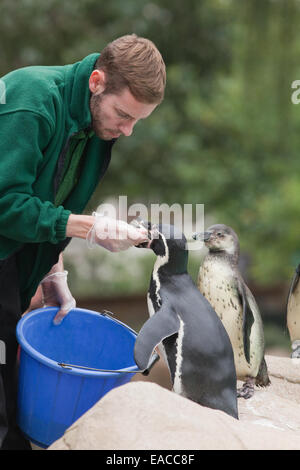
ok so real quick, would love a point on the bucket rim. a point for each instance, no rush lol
(39, 357)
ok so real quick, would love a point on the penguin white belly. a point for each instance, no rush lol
(293, 314)
(217, 283)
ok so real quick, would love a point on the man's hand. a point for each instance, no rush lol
(115, 235)
(56, 293)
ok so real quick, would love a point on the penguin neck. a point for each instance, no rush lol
(170, 265)
(163, 270)
(220, 255)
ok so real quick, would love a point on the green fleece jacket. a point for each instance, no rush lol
(45, 108)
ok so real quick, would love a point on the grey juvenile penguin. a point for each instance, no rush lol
(293, 313)
(220, 281)
(194, 341)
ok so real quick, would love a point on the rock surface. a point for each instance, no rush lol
(143, 415)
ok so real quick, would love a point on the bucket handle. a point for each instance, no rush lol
(155, 357)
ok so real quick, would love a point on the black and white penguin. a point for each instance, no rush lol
(193, 339)
(220, 281)
(293, 313)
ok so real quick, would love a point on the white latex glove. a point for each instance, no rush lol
(115, 235)
(56, 293)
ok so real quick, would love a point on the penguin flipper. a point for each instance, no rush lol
(248, 319)
(161, 325)
(294, 283)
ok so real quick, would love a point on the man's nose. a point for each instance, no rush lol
(127, 128)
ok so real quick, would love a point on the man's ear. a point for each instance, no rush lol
(97, 81)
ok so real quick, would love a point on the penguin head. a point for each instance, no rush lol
(220, 238)
(170, 246)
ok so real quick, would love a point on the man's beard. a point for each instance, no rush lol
(97, 119)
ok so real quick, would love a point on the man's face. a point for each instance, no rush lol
(114, 115)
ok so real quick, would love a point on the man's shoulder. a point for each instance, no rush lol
(40, 76)
(38, 89)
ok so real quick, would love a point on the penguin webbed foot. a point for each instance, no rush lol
(247, 390)
(296, 350)
(296, 354)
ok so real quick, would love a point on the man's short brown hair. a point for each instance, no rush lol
(134, 62)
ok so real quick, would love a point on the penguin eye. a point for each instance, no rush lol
(220, 234)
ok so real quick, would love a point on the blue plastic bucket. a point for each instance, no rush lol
(52, 397)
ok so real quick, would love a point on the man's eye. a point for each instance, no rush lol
(123, 116)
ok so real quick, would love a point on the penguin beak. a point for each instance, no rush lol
(205, 236)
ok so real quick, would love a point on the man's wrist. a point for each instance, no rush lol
(79, 225)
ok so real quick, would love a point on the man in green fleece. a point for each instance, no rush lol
(57, 128)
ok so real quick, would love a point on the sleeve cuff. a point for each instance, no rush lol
(61, 225)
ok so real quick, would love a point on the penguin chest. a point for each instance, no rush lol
(217, 283)
(293, 314)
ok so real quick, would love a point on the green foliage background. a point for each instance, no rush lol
(226, 135)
